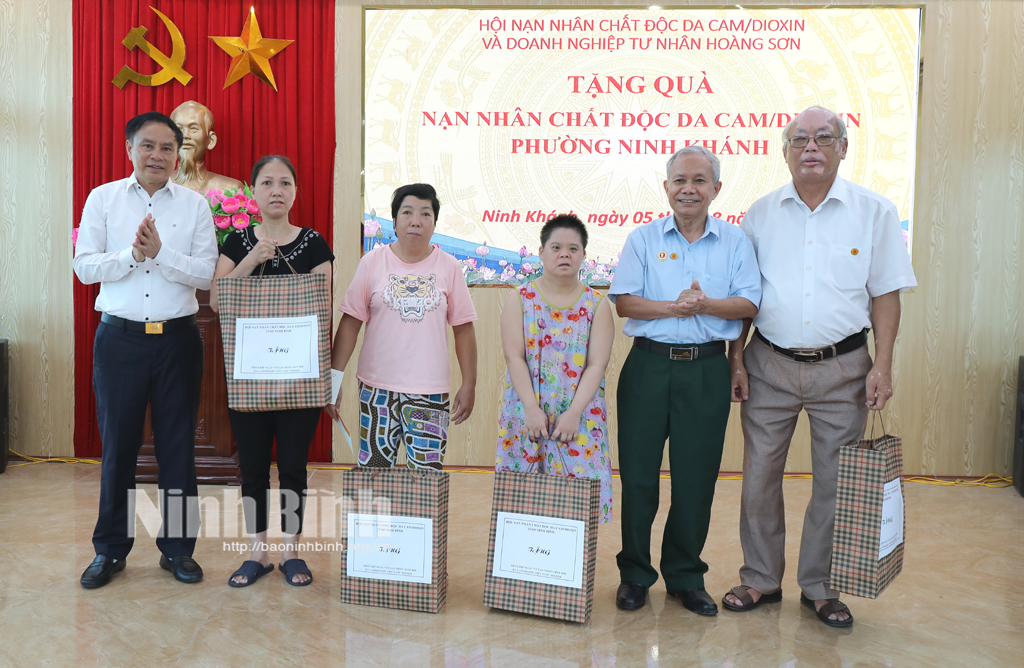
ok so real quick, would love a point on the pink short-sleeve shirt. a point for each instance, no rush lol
(407, 309)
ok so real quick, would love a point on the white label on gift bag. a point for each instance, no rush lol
(890, 533)
(276, 348)
(539, 549)
(390, 547)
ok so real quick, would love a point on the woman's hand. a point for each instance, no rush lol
(264, 250)
(536, 424)
(334, 410)
(462, 406)
(567, 427)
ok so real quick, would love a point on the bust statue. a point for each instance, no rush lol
(196, 123)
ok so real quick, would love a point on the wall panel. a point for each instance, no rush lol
(35, 221)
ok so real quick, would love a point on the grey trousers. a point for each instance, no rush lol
(832, 392)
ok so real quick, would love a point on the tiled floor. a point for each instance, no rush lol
(959, 601)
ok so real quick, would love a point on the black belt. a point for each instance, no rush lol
(847, 345)
(161, 327)
(680, 352)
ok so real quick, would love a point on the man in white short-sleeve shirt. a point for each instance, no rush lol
(833, 263)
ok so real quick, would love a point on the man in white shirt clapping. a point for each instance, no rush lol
(150, 244)
(833, 263)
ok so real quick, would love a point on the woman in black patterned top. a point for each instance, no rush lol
(252, 251)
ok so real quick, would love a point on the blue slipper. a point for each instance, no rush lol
(252, 570)
(294, 567)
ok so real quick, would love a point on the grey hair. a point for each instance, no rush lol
(837, 120)
(716, 164)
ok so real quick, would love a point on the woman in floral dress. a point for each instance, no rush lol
(557, 336)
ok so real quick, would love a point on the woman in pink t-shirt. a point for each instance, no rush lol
(408, 293)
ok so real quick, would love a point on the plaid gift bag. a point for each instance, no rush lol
(546, 497)
(867, 552)
(397, 494)
(290, 296)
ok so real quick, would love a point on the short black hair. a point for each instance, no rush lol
(266, 160)
(569, 222)
(136, 123)
(419, 191)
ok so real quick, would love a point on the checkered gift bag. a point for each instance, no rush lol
(546, 497)
(398, 493)
(288, 296)
(867, 552)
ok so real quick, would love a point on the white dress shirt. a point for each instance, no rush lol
(159, 288)
(820, 269)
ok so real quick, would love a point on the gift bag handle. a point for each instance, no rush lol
(878, 415)
(558, 448)
(277, 251)
(263, 265)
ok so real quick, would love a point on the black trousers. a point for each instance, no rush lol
(130, 371)
(255, 433)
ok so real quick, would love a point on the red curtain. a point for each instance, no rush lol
(252, 120)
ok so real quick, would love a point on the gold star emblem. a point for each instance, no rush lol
(251, 53)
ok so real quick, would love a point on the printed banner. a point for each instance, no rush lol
(518, 115)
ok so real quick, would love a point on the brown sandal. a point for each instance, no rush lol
(833, 606)
(747, 600)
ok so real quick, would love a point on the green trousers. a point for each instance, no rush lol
(688, 404)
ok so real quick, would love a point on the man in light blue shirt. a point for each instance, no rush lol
(685, 282)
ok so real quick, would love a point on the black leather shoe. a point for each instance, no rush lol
(185, 569)
(697, 600)
(99, 571)
(631, 596)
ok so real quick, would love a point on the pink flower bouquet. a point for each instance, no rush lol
(232, 209)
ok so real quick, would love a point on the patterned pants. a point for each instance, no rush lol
(387, 418)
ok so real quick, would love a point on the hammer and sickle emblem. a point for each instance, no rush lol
(171, 65)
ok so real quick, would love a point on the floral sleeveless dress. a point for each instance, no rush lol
(556, 353)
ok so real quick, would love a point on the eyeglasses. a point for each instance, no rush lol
(819, 140)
